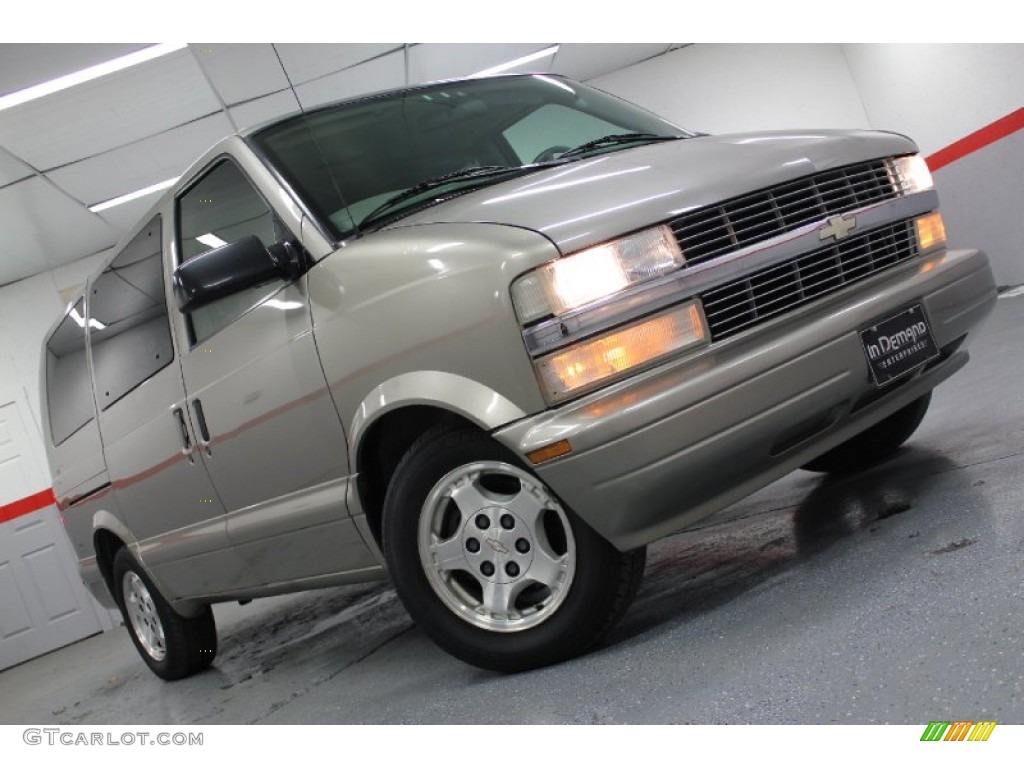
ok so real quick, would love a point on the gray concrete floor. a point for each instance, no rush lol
(891, 596)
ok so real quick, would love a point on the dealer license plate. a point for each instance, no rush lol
(898, 345)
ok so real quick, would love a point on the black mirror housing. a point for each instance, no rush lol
(287, 259)
(231, 268)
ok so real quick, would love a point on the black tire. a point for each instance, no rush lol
(550, 620)
(875, 443)
(185, 645)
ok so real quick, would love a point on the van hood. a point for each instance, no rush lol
(588, 201)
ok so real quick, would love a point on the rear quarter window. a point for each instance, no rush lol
(129, 333)
(68, 389)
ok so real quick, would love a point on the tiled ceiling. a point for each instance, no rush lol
(67, 151)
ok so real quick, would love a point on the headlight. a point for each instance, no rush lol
(585, 364)
(595, 273)
(912, 174)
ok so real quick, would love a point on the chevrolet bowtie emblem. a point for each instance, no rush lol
(496, 545)
(838, 227)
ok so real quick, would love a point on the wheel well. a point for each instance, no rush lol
(107, 544)
(384, 445)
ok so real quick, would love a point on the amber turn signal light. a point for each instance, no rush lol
(931, 231)
(549, 452)
(589, 362)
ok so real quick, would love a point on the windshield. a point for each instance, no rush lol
(352, 163)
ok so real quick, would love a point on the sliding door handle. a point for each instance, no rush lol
(186, 441)
(204, 431)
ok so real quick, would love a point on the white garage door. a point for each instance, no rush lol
(43, 604)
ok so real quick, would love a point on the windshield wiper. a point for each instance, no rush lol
(615, 138)
(482, 172)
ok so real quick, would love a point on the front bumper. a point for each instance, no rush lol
(667, 447)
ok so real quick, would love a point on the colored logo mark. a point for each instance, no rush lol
(958, 730)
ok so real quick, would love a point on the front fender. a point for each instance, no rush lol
(423, 316)
(449, 391)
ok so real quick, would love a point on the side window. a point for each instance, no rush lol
(221, 208)
(129, 333)
(68, 389)
(554, 126)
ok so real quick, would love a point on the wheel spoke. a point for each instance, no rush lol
(449, 555)
(469, 499)
(527, 506)
(547, 569)
(499, 599)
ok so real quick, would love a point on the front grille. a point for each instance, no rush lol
(753, 299)
(751, 218)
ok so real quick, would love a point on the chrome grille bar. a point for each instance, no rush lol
(753, 299)
(709, 232)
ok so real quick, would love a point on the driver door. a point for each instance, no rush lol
(267, 428)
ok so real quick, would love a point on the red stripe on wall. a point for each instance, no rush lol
(27, 505)
(992, 132)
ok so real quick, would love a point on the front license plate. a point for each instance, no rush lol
(898, 345)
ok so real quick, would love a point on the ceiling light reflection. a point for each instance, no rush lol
(551, 51)
(89, 73)
(133, 195)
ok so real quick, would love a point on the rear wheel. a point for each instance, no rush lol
(491, 564)
(172, 645)
(875, 443)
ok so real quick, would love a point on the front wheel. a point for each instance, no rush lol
(491, 564)
(172, 645)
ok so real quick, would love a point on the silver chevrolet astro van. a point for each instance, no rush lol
(491, 338)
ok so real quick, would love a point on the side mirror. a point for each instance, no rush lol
(287, 259)
(231, 268)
